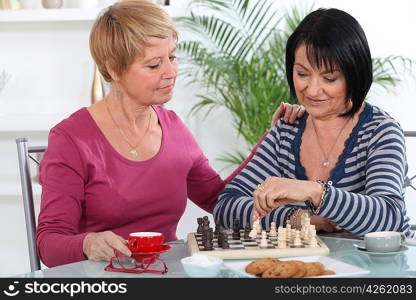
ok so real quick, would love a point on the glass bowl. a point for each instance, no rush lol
(202, 266)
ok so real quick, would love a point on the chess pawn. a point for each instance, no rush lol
(313, 243)
(273, 232)
(236, 224)
(263, 241)
(247, 232)
(225, 244)
(297, 242)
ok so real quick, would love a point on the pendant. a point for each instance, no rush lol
(325, 163)
(134, 153)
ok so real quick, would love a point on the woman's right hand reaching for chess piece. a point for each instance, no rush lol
(100, 246)
(276, 192)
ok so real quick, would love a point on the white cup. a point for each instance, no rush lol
(383, 241)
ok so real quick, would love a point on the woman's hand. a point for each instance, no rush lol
(290, 112)
(276, 191)
(323, 224)
(99, 246)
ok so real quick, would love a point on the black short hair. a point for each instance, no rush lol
(335, 39)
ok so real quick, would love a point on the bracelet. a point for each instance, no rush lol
(325, 187)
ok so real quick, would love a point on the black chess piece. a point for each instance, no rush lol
(218, 228)
(200, 228)
(219, 239)
(205, 223)
(207, 239)
(223, 235)
(236, 229)
(247, 232)
(225, 244)
(208, 245)
(207, 234)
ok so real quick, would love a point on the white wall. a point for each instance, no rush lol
(52, 70)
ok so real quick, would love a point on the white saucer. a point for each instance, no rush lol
(380, 256)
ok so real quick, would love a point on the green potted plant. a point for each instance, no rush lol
(236, 56)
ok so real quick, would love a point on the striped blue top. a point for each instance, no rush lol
(368, 181)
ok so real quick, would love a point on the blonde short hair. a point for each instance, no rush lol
(120, 33)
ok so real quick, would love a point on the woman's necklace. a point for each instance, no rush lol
(133, 148)
(325, 163)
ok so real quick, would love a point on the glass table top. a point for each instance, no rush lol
(341, 249)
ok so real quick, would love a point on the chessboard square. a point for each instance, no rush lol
(234, 242)
(250, 242)
(238, 246)
(251, 245)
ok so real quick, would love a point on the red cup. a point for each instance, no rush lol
(145, 241)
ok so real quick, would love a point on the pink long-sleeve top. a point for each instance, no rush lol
(87, 186)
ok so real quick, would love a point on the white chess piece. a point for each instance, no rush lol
(253, 233)
(281, 244)
(263, 241)
(297, 242)
(273, 231)
(313, 243)
(257, 226)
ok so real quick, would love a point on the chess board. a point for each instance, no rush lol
(249, 249)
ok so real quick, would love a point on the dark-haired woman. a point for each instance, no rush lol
(344, 161)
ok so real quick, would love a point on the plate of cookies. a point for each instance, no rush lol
(296, 267)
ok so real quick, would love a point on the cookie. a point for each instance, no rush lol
(313, 269)
(258, 266)
(282, 270)
(301, 268)
(328, 272)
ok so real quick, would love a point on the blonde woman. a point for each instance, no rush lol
(124, 164)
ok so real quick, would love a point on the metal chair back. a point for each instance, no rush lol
(24, 153)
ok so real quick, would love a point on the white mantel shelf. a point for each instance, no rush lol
(47, 15)
(57, 15)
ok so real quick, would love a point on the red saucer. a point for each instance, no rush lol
(155, 254)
